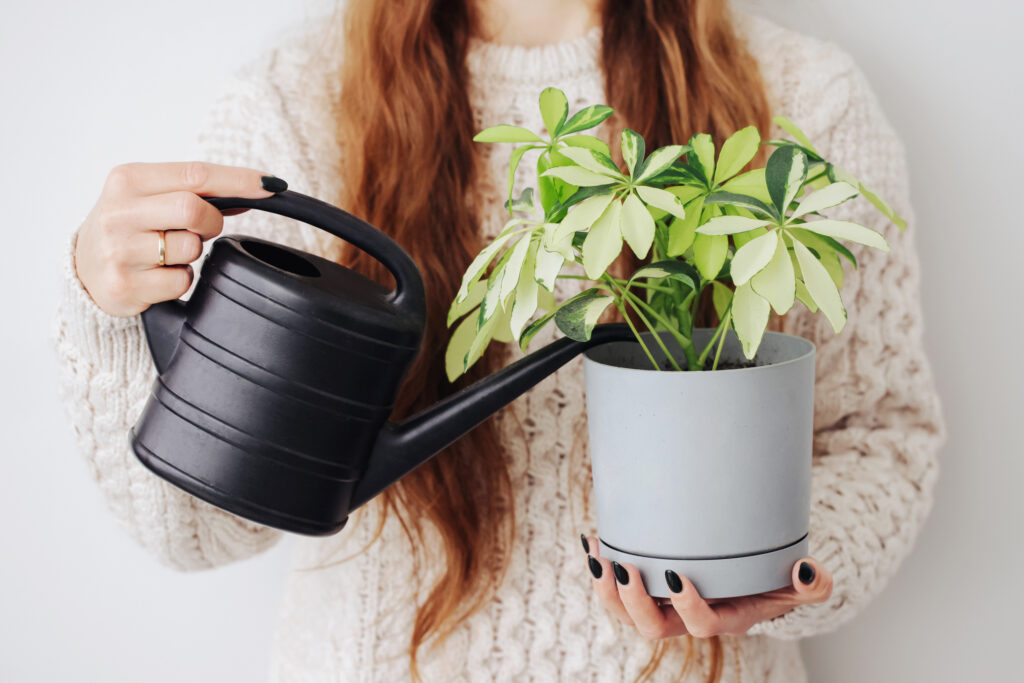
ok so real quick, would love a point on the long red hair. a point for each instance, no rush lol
(406, 128)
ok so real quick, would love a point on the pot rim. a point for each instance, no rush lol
(809, 351)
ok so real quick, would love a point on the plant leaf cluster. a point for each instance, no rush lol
(759, 239)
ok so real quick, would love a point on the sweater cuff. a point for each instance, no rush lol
(97, 333)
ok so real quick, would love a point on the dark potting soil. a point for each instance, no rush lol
(723, 364)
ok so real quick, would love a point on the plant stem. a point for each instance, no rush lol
(657, 337)
(685, 344)
(721, 343)
(622, 309)
(722, 325)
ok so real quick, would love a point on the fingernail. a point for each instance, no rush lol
(621, 575)
(806, 574)
(595, 566)
(675, 584)
(586, 546)
(272, 183)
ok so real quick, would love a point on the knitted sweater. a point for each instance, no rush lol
(877, 422)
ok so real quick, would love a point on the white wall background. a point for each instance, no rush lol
(84, 86)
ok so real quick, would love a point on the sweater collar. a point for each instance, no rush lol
(526, 66)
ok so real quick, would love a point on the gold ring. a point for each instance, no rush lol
(162, 258)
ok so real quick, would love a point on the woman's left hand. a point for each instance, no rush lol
(622, 592)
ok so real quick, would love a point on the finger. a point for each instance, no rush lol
(603, 579)
(700, 618)
(811, 581)
(199, 177)
(168, 211)
(650, 620)
(182, 246)
(161, 284)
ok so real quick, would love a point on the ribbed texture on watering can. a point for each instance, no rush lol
(330, 301)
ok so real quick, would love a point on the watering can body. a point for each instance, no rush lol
(277, 378)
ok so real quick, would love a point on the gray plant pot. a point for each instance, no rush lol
(705, 473)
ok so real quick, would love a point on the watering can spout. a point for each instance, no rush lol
(403, 447)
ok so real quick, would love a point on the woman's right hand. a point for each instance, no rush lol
(117, 250)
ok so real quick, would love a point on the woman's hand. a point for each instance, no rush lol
(622, 592)
(118, 247)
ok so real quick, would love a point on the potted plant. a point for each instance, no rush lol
(700, 438)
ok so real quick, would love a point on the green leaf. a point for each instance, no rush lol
(523, 203)
(721, 295)
(604, 242)
(730, 225)
(741, 238)
(751, 184)
(883, 207)
(670, 269)
(548, 265)
(811, 155)
(805, 297)
(681, 232)
(829, 196)
(552, 191)
(587, 142)
(704, 150)
(847, 230)
(506, 133)
(736, 152)
(776, 283)
(586, 118)
(554, 107)
(820, 286)
(633, 149)
(593, 161)
(791, 128)
(784, 175)
(581, 217)
(821, 243)
(637, 225)
(686, 193)
(659, 160)
(753, 256)
(750, 318)
(461, 308)
(577, 316)
(513, 165)
(458, 347)
(662, 199)
(483, 258)
(709, 252)
(533, 328)
(575, 175)
(514, 267)
(752, 204)
(524, 303)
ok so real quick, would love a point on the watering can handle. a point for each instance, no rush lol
(408, 293)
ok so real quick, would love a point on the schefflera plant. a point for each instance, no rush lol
(755, 238)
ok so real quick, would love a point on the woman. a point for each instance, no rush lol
(467, 569)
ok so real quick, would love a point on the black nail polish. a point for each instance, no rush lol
(586, 546)
(595, 566)
(675, 584)
(621, 575)
(273, 184)
(806, 574)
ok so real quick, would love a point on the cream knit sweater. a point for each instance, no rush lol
(878, 422)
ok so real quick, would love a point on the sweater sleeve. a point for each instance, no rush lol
(878, 421)
(106, 371)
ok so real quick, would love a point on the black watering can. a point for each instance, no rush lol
(277, 377)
